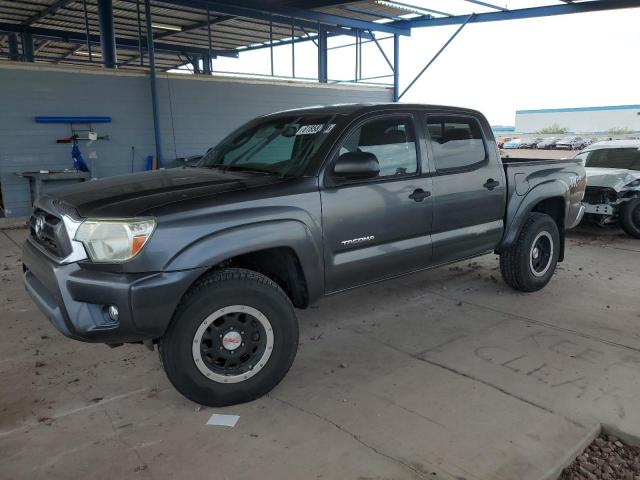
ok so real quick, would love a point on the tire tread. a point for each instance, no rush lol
(511, 267)
(208, 281)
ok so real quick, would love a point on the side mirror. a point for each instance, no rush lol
(356, 166)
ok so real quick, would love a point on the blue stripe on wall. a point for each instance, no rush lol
(580, 109)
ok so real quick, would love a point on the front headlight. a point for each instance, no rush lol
(114, 241)
(634, 184)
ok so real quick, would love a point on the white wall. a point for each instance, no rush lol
(581, 121)
(195, 113)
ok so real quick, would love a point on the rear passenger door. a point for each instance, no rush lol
(378, 227)
(468, 187)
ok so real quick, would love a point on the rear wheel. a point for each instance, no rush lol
(630, 217)
(232, 339)
(530, 263)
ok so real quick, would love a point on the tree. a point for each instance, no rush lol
(555, 128)
(619, 131)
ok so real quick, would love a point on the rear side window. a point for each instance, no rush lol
(391, 140)
(456, 142)
(628, 158)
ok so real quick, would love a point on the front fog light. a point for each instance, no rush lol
(113, 313)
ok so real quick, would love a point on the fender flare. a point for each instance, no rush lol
(516, 219)
(221, 245)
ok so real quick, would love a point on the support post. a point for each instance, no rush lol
(195, 64)
(107, 33)
(140, 50)
(152, 76)
(86, 30)
(271, 44)
(323, 73)
(27, 47)
(357, 54)
(14, 54)
(206, 63)
(396, 67)
(293, 49)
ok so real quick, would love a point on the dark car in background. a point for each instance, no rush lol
(570, 143)
(548, 143)
(530, 142)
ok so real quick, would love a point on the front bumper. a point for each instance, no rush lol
(578, 217)
(76, 299)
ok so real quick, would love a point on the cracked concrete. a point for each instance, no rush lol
(445, 374)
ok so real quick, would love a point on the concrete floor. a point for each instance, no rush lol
(445, 374)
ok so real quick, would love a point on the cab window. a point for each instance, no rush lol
(391, 140)
(456, 142)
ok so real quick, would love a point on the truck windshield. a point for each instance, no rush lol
(281, 146)
(627, 158)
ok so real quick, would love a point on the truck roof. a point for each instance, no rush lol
(361, 108)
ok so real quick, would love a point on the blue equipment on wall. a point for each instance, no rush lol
(78, 161)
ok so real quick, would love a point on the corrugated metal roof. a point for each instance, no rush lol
(228, 32)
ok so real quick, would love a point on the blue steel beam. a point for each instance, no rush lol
(534, 12)
(433, 59)
(107, 33)
(122, 43)
(383, 53)
(152, 76)
(283, 14)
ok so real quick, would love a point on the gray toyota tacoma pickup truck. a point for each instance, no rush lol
(209, 263)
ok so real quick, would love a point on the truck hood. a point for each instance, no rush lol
(615, 178)
(140, 193)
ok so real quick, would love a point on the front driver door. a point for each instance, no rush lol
(378, 227)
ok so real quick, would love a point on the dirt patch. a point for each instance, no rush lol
(607, 458)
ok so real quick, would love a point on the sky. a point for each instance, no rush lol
(587, 59)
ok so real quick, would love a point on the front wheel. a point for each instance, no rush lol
(630, 217)
(530, 263)
(232, 339)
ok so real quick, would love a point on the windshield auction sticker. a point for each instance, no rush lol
(310, 129)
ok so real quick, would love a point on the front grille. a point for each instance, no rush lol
(599, 195)
(53, 236)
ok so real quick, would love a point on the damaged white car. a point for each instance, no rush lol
(613, 184)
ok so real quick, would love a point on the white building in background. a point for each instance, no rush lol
(580, 120)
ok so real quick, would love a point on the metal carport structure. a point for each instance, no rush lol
(162, 35)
